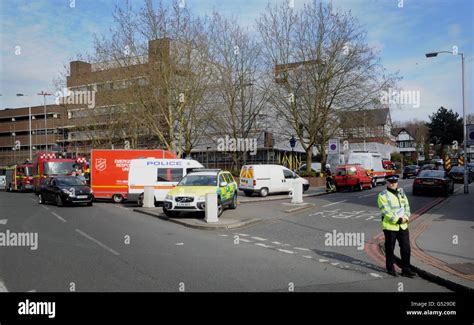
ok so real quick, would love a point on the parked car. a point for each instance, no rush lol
(457, 174)
(190, 193)
(266, 179)
(433, 181)
(429, 167)
(64, 190)
(410, 170)
(315, 167)
(353, 177)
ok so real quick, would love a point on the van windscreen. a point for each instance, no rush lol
(341, 172)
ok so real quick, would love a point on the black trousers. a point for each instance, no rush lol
(403, 238)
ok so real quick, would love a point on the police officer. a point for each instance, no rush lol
(395, 209)
(329, 179)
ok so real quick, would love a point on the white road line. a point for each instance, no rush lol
(3, 288)
(244, 240)
(375, 275)
(335, 263)
(58, 216)
(367, 195)
(276, 243)
(244, 235)
(32, 290)
(307, 256)
(301, 249)
(323, 260)
(97, 242)
(263, 245)
(286, 245)
(333, 203)
(179, 244)
(285, 251)
(222, 235)
(120, 207)
(258, 238)
(45, 207)
(3, 221)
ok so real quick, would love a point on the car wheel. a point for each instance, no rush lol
(117, 198)
(170, 214)
(40, 199)
(374, 182)
(59, 201)
(89, 204)
(446, 192)
(360, 187)
(263, 191)
(452, 189)
(140, 200)
(233, 205)
(22, 188)
(338, 188)
(415, 193)
(404, 177)
(220, 208)
(248, 193)
(9, 189)
(305, 187)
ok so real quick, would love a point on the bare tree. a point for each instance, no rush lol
(322, 66)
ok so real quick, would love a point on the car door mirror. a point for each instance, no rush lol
(223, 184)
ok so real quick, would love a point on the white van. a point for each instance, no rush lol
(265, 179)
(162, 174)
(370, 161)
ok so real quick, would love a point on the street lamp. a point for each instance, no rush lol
(292, 144)
(432, 55)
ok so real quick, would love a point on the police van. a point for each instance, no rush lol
(161, 174)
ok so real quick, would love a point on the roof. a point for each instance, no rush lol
(356, 118)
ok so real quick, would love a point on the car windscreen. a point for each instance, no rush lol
(411, 167)
(198, 180)
(341, 172)
(69, 181)
(59, 168)
(431, 174)
(457, 170)
(28, 171)
(169, 174)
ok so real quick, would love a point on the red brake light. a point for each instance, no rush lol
(417, 181)
(254, 182)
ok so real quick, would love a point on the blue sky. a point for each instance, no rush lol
(51, 33)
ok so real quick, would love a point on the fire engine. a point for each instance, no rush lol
(19, 177)
(53, 164)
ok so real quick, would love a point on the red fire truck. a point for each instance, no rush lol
(54, 164)
(19, 177)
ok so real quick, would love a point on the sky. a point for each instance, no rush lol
(38, 38)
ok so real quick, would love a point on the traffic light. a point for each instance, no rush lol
(461, 161)
(447, 163)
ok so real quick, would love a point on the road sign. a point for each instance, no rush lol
(333, 146)
(470, 134)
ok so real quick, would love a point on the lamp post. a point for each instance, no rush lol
(432, 55)
(292, 144)
(44, 94)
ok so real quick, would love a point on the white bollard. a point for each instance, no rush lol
(211, 208)
(297, 196)
(149, 197)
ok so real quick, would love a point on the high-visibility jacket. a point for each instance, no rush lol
(392, 208)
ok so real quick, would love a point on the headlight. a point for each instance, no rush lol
(66, 191)
(169, 197)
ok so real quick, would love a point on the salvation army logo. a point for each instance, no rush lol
(100, 164)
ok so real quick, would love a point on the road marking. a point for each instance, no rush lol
(375, 275)
(45, 207)
(302, 249)
(307, 256)
(323, 260)
(97, 242)
(179, 244)
(244, 235)
(276, 243)
(3, 221)
(223, 235)
(333, 203)
(32, 290)
(285, 251)
(263, 245)
(258, 238)
(244, 240)
(367, 195)
(3, 288)
(120, 207)
(335, 263)
(59, 217)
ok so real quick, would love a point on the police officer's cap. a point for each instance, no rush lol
(392, 178)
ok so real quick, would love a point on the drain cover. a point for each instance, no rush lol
(466, 268)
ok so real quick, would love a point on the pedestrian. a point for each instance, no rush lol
(395, 209)
(329, 179)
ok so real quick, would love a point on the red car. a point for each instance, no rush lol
(352, 177)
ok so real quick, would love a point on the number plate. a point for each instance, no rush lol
(428, 183)
(82, 196)
(181, 204)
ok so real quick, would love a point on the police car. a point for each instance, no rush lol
(190, 193)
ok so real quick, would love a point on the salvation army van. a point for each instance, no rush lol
(265, 179)
(161, 174)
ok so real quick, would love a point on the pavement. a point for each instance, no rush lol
(442, 241)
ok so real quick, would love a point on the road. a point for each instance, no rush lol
(110, 248)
